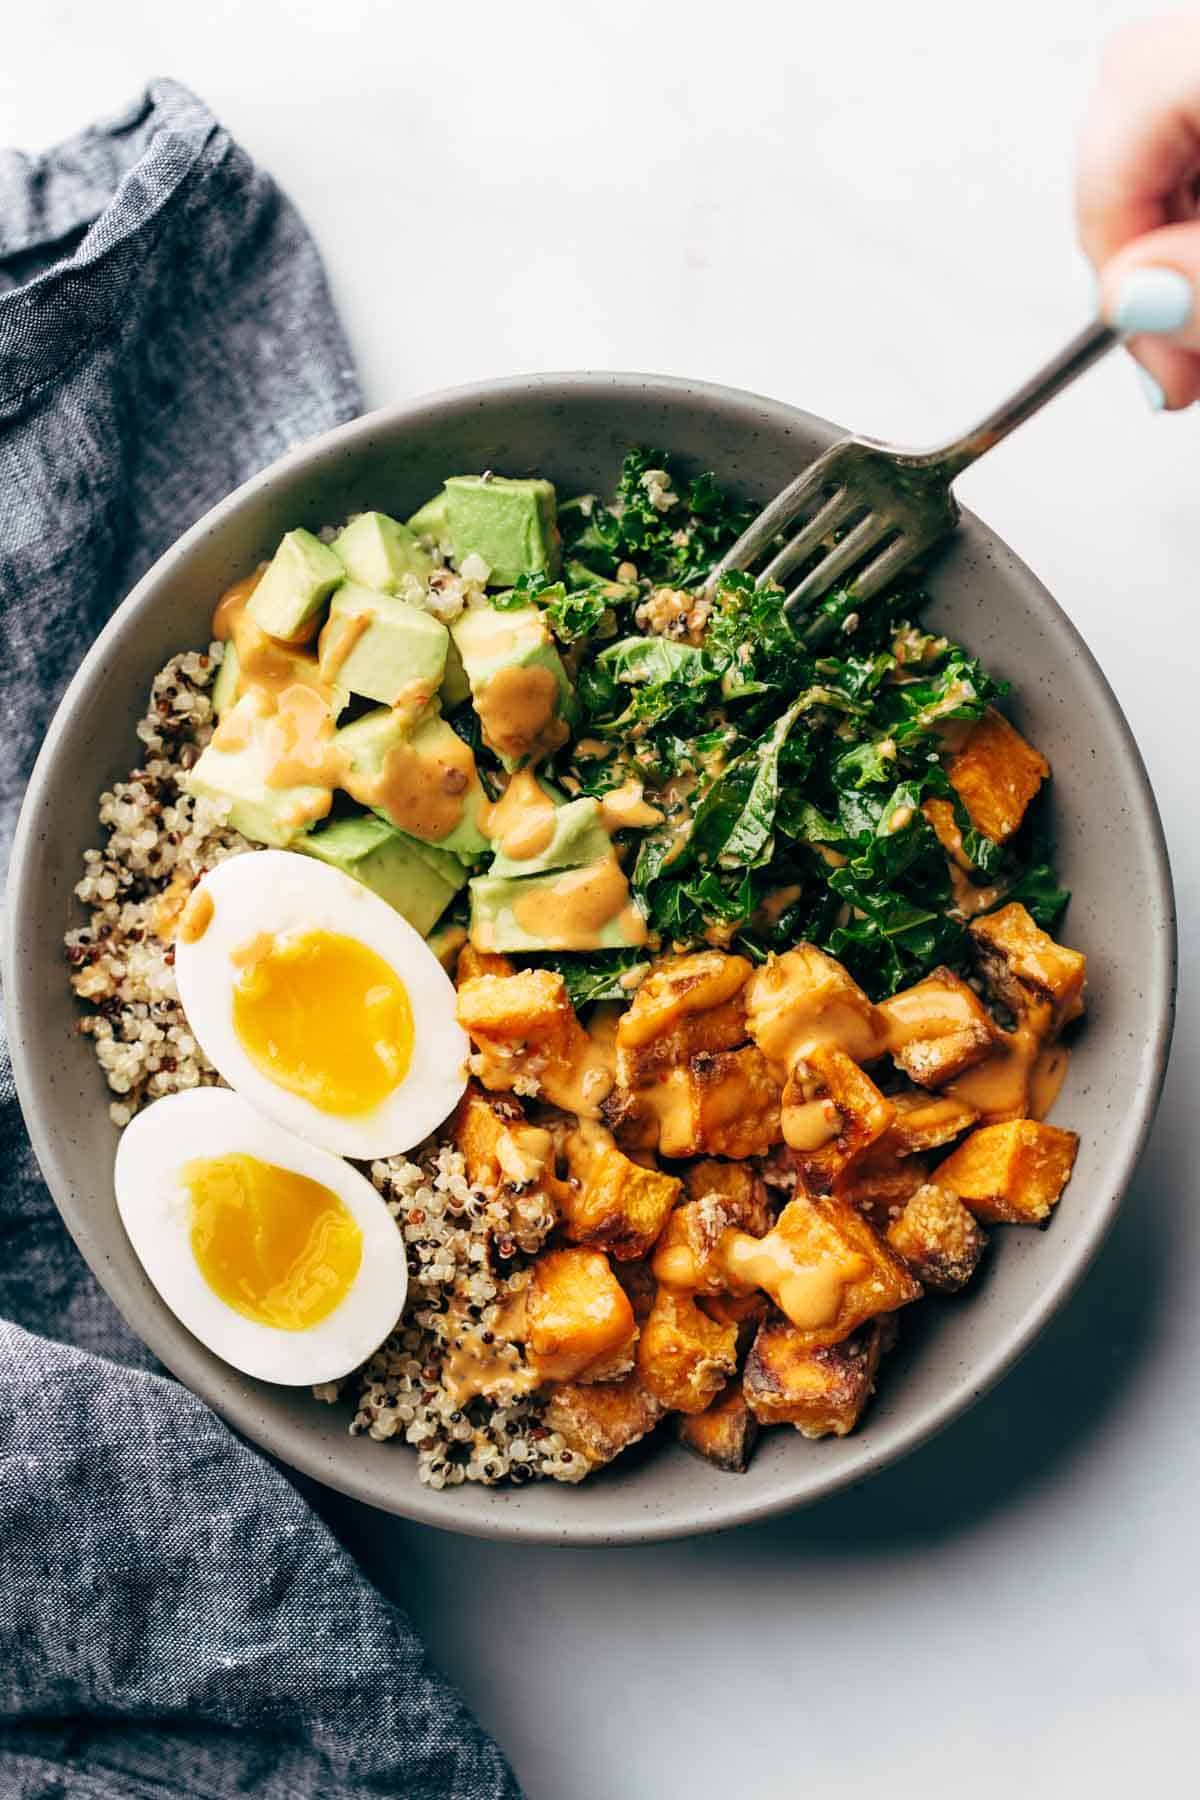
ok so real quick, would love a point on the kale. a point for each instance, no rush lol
(589, 978)
(672, 529)
(572, 614)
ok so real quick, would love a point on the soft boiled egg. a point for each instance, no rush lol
(280, 1257)
(319, 1004)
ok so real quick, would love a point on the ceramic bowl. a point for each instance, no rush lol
(575, 428)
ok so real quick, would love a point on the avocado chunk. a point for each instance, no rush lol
(579, 837)
(379, 552)
(228, 678)
(384, 649)
(430, 521)
(510, 523)
(455, 687)
(296, 583)
(519, 719)
(237, 773)
(556, 910)
(422, 779)
(416, 879)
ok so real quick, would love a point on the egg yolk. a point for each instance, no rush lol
(324, 1017)
(280, 1249)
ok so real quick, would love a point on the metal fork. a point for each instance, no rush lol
(890, 505)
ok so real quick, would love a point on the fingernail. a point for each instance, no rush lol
(1155, 397)
(1155, 300)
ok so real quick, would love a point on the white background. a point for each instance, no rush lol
(866, 210)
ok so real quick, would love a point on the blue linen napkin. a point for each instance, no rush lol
(173, 1617)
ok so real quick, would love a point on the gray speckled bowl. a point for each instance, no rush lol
(575, 429)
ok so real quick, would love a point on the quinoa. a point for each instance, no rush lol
(467, 1250)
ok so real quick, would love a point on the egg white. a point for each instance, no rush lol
(155, 1209)
(280, 891)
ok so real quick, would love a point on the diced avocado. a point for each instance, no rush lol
(579, 837)
(510, 523)
(295, 586)
(430, 521)
(491, 641)
(238, 773)
(367, 743)
(416, 879)
(455, 686)
(496, 901)
(224, 687)
(379, 552)
(396, 651)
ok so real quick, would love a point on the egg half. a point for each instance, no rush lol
(319, 1004)
(278, 1256)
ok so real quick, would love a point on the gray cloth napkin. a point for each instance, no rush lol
(174, 1619)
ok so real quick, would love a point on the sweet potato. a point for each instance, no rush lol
(937, 1028)
(472, 962)
(504, 1153)
(740, 1188)
(831, 1113)
(579, 1321)
(1022, 963)
(825, 1268)
(881, 1183)
(525, 1032)
(926, 1121)
(996, 774)
(597, 1422)
(823, 1391)
(683, 1356)
(805, 997)
(611, 1201)
(724, 1434)
(1012, 1173)
(938, 1238)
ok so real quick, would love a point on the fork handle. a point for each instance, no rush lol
(1086, 348)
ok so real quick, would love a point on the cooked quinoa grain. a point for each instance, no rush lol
(467, 1250)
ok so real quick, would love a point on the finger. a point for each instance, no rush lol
(1140, 142)
(1152, 287)
(1170, 376)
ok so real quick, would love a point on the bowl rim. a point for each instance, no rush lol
(358, 1480)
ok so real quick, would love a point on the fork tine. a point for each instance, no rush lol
(837, 508)
(853, 547)
(775, 518)
(885, 567)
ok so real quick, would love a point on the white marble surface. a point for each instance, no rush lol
(865, 210)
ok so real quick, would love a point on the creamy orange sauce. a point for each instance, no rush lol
(521, 822)
(676, 1266)
(424, 794)
(697, 984)
(592, 1073)
(1046, 1079)
(518, 711)
(803, 998)
(775, 904)
(809, 1294)
(1000, 1087)
(970, 900)
(932, 1009)
(474, 1367)
(196, 917)
(266, 667)
(338, 638)
(574, 910)
(164, 917)
(624, 809)
(810, 1124)
(299, 742)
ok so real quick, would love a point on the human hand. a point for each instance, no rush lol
(1137, 200)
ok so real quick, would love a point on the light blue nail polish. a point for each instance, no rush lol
(1155, 300)
(1155, 398)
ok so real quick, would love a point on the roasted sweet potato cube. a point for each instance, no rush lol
(938, 1238)
(737, 1102)
(679, 990)
(1020, 962)
(831, 1113)
(578, 1317)
(937, 1028)
(683, 1356)
(745, 1312)
(526, 1033)
(504, 1153)
(881, 1183)
(823, 1391)
(741, 1188)
(688, 1254)
(612, 1201)
(996, 774)
(926, 1121)
(824, 1266)
(1012, 1173)
(597, 1422)
(473, 962)
(805, 997)
(725, 1433)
